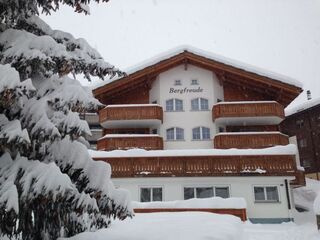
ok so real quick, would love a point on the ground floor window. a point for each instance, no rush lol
(206, 192)
(266, 194)
(150, 194)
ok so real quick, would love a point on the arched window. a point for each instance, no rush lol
(201, 133)
(175, 134)
(174, 104)
(199, 104)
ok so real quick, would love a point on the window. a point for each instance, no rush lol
(266, 194)
(175, 134)
(154, 131)
(206, 192)
(174, 105)
(199, 104)
(303, 143)
(306, 163)
(177, 82)
(194, 82)
(300, 123)
(154, 102)
(150, 194)
(201, 133)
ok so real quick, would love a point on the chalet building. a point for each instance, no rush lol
(190, 124)
(303, 124)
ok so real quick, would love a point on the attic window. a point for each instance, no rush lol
(177, 82)
(194, 82)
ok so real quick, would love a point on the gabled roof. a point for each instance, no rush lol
(227, 70)
(302, 107)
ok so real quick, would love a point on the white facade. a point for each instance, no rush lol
(164, 89)
(173, 189)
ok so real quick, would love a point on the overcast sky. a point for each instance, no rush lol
(282, 36)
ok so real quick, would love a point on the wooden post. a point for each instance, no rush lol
(318, 221)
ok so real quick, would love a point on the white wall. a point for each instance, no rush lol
(187, 119)
(239, 187)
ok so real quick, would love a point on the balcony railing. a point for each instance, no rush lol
(279, 165)
(271, 112)
(250, 140)
(131, 115)
(127, 141)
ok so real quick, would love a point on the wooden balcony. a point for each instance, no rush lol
(243, 140)
(248, 113)
(191, 166)
(127, 141)
(131, 116)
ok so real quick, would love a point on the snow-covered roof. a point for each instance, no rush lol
(301, 107)
(180, 49)
(290, 149)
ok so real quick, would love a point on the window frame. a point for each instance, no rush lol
(201, 134)
(151, 192)
(174, 105)
(199, 104)
(265, 194)
(177, 82)
(194, 82)
(175, 134)
(205, 186)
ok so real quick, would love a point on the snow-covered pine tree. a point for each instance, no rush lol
(49, 185)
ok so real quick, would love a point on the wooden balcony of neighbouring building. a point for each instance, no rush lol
(131, 116)
(192, 166)
(128, 141)
(248, 113)
(245, 140)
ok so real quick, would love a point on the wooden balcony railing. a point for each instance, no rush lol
(250, 140)
(241, 213)
(126, 142)
(280, 165)
(248, 109)
(131, 112)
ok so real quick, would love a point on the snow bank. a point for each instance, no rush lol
(305, 196)
(290, 149)
(171, 226)
(214, 202)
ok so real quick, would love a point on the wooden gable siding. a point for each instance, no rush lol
(234, 92)
(137, 95)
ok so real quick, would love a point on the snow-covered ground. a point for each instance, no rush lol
(199, 226)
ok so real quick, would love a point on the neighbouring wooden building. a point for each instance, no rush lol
(190, 124)
(302, 123)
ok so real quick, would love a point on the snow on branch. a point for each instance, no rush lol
(89, 61)
(11, 10)
(12, 131)
(73, 157)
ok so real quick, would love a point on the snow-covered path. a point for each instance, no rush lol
(288, 231)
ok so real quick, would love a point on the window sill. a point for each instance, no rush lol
(267, 202)
(201, 140)
(174, 111)
(200, 110)
(178, 140)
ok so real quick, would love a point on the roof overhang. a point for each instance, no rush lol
(283, 90)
